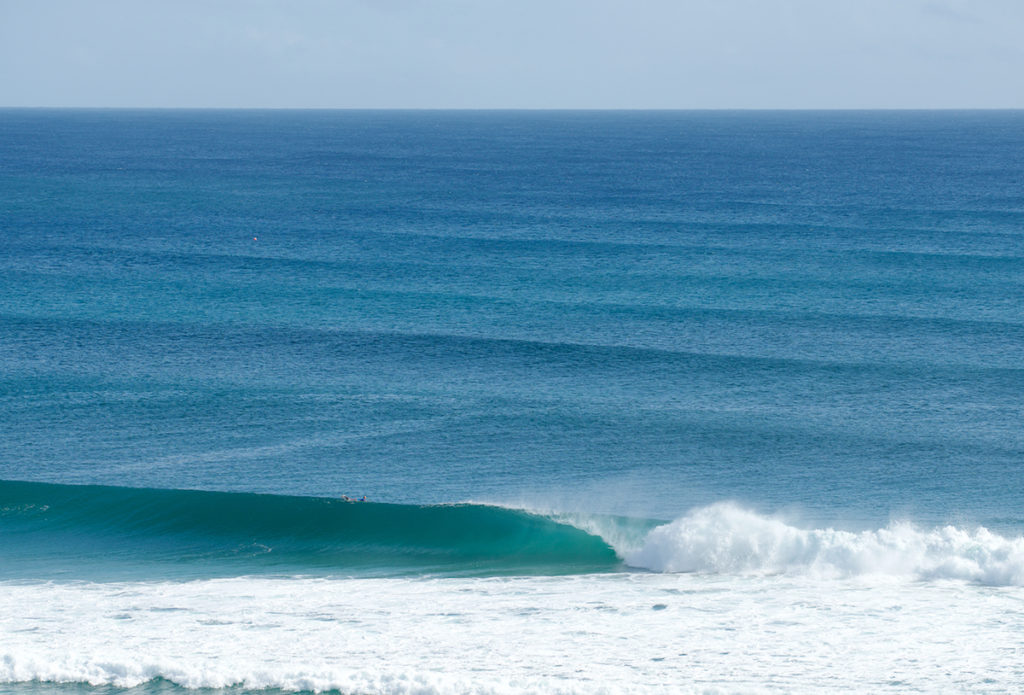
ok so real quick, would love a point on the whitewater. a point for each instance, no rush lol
(631, 633)
(722, 599)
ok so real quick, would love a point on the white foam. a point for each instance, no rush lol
(727, 539)
(610, 633)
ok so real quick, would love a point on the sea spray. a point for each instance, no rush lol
(725, 538)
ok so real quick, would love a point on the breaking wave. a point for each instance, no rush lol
(724, 538)
(55, 531)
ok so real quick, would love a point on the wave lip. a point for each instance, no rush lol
(724, 538)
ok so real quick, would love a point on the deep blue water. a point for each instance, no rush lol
(641, 402)
(632, 313)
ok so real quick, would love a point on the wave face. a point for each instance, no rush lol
(102, 530)
(727, 539)
(62, 531)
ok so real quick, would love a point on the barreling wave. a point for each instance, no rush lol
(724, 538)
(49, 530)
(102, 529)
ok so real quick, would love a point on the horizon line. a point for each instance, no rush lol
(509, 108)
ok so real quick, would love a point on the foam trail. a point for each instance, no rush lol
(724, 538)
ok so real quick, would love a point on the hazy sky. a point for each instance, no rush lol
(513, 53)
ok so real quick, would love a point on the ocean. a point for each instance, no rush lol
(430, 402)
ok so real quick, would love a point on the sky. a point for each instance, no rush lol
(529, 54)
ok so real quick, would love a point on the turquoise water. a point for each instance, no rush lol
(532, 340)
(113, 533)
